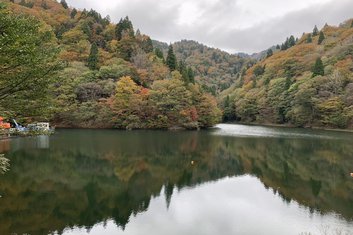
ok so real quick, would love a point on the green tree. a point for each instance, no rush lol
(124, 27)
(209, 113)
(92, 61)
(147, 45)
(28, 64)
(159, 53)
(126, 47)
(309, 39)
(321, 37)
(291, 41)
(277, 98)
(64, 4)
(315, 31)
(285, 45)
(170, 98)
(73, 13)
(28, 4)
(229, 112)
(191, 75)
(44, 5)
(269, 53)
(302, 111)
(318, 68)
(259, 70)
(128, 104)
(182, 70)
(171, 59)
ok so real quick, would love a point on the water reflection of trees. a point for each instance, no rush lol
(105, 175)
(4, 164)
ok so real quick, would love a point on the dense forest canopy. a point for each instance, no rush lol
(304, 82)
(76, 68)
(81, 70)
(214, 69)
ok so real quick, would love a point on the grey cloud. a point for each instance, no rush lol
(220, 22)
(274, 31)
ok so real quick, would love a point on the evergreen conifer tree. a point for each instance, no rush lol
(321, 38)
(64, 4)
(269, 53)
(191, 75)
(124, 26)
(229, 112)
(318, 68)
(73, 13)
(159, 53)
(309, 39)
(315, 31)
(171, 59)
(147, 45)
(291, 41)
(93, 57)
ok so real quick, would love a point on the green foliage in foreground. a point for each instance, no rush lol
(27, 65)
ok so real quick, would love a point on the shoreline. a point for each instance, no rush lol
(289, 126)
(176, 129)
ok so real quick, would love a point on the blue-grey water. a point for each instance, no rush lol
(233, 179)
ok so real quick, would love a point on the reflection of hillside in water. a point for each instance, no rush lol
(90, 176)
(35, 142)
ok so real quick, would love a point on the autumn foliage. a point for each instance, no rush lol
(113, 77)
(308, 84)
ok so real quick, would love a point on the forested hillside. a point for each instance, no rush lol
(214, 69)
(305, 82)
(78, 69)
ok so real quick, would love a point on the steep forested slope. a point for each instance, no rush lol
(109, 74)
(216, 70)
(309, 82)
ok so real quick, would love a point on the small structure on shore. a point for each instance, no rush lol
(40, 128)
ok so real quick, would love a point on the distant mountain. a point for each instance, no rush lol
(215, 69)
(255, 56)
(242, 55)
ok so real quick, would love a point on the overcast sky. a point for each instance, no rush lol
(232, 25)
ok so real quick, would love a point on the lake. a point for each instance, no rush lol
(233, 179)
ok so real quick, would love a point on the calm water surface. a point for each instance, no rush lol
(233, 179)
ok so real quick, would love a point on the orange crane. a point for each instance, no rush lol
(4, 125)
